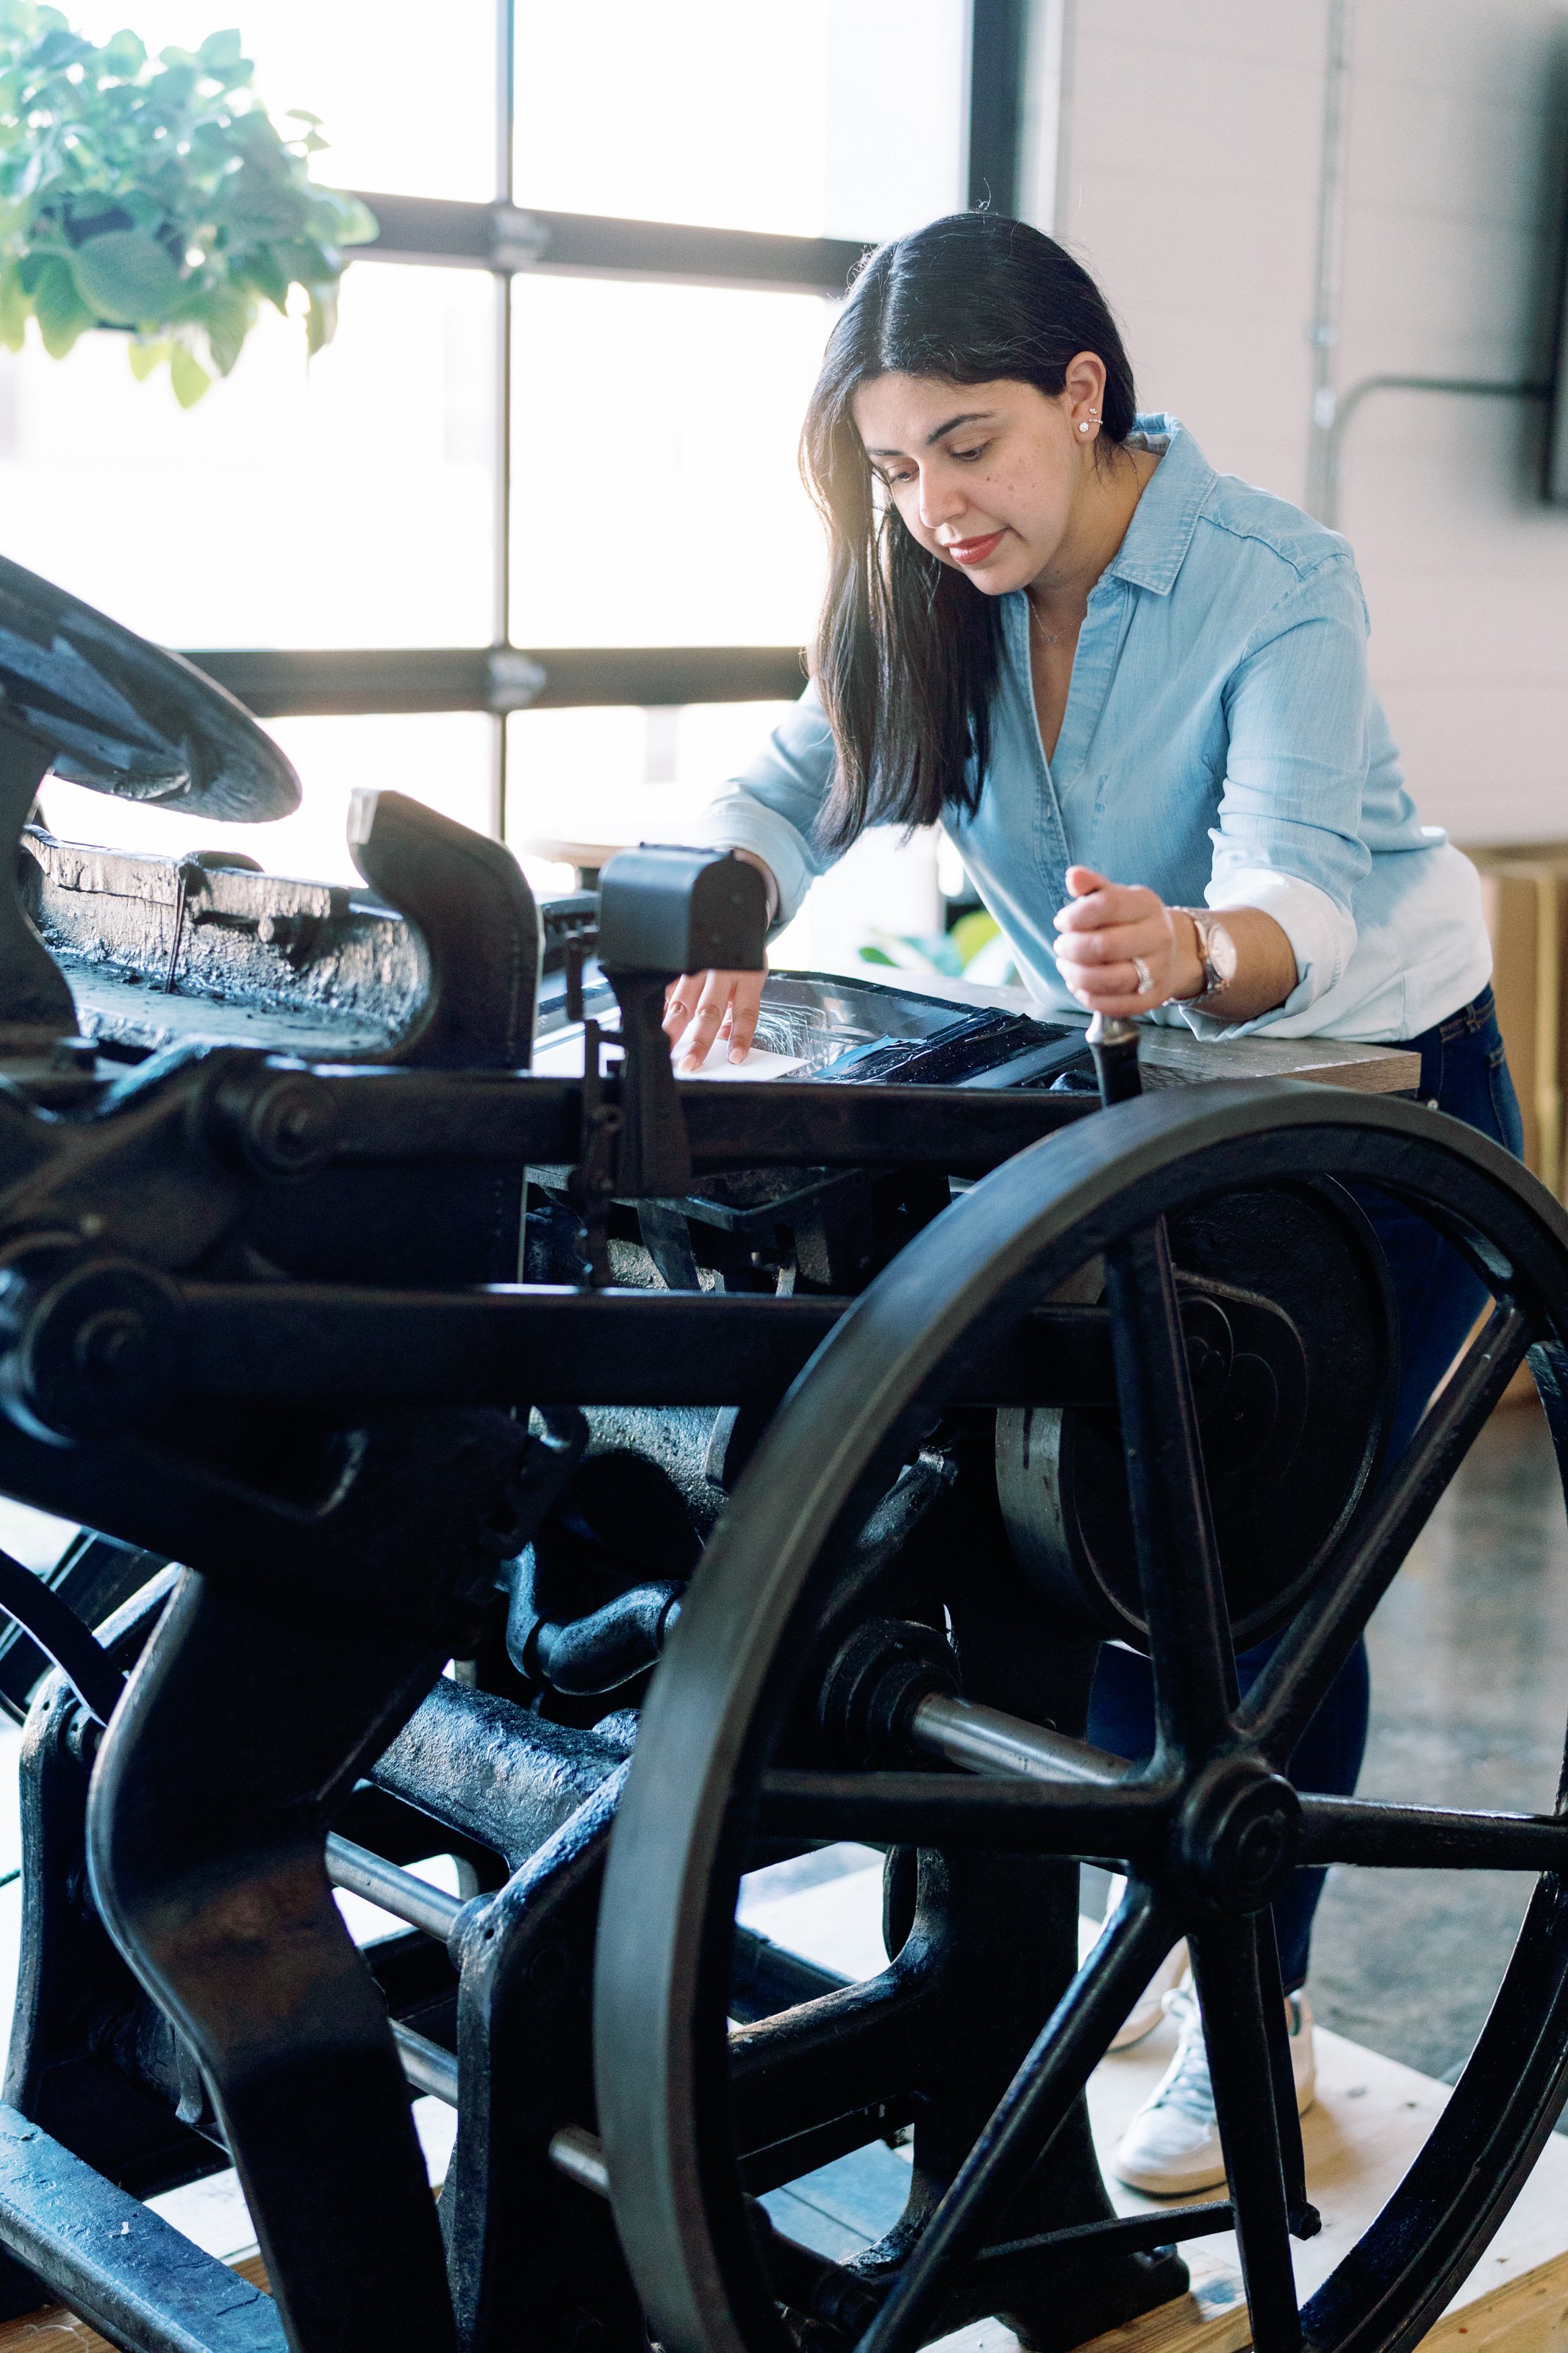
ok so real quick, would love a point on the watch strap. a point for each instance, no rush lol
(1203, 922)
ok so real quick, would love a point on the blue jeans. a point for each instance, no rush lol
(1464, 1072)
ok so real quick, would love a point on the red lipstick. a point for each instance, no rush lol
(972, 551)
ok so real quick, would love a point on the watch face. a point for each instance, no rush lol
(1222, 952)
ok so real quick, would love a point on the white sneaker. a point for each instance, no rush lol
(1171, 2146)
(1150, 2006)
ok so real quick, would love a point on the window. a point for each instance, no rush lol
(443, 758)
(527, 539)
(367, 73)
(818, 117)
(656, 497)
(343, 502)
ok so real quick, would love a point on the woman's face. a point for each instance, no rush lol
(987, 475)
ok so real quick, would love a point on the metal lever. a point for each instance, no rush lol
(663, 911)
(1114, 1045)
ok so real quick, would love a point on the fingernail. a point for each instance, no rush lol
(738, 1053)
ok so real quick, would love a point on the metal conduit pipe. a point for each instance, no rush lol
(426, 2066)
(985, 1740)
(394, 1890)
(579, 2156)
(1336, 414)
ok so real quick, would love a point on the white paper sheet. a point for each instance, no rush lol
(560, 1056)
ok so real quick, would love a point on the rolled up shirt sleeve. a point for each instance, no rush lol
(774, 805)
(1289, 838)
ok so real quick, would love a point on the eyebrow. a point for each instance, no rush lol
(969, 416)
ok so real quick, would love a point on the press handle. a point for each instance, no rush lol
(1114, 1045)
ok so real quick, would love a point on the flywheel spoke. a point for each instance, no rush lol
(1242, 2072)
(1184, 1598)
(1430, 1837)
(1303, 2218)
(956, 1809)
(1068, 2047)
(1291, 1689)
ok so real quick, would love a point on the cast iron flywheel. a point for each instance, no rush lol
(851, 1666)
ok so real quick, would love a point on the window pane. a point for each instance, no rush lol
(818, 117)
(605, 778)
(620, 774)
(656, 499)
(407, 105)
(341, 502)
(442, 758)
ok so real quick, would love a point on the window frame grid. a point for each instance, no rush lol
(505, 239)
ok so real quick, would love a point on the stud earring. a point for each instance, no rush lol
(1082, 427)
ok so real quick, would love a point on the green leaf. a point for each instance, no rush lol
(321, 319)
(15, 308)
(228, 317)
(123, 56)
(61, 313)
(127, 277)
(874, 955)
(355, 224)
(262, 209)
(146, 357)
(58, 49)
(175, 88)
(303, 114)
(259, 267)
(187, 375)
(972, 932)
(220, 51)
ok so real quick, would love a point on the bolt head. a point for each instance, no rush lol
(97, 1348)
(111, 1349)
(1239, 1833)
(290, 1126)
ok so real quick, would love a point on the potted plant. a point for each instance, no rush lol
(157, 197)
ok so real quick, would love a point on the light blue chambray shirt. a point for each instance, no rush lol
(1220, 744)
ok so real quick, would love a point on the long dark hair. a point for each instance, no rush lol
(906, 650)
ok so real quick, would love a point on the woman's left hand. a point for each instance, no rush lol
(1120, 950)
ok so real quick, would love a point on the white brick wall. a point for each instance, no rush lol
(1188, 181)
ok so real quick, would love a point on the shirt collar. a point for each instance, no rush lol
(1166, 516)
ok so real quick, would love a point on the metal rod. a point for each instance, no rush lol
(579, 2156)
(1114, 1045)
(986, 1741)
(500, 608)
(397, 1891)
(1339, 414)
(1324, 332)
(996, 34)
(426, 2066)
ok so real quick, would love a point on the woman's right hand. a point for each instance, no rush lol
(702, 1006)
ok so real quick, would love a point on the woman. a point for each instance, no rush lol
(1134, 693)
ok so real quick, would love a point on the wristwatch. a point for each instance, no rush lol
(1217, 950)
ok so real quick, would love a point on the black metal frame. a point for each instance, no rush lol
(1222, 1826)
(503, 238)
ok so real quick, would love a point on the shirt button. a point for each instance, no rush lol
(1432, 1104)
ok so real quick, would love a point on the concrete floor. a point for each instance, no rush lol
(1469, 1679)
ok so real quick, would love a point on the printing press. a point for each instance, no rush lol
(485, 1445)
